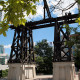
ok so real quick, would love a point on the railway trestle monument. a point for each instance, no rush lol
(22, 60)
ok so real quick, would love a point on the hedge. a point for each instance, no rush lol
(3, 73)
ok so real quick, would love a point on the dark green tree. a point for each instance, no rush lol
(75, 39)
(44, 54)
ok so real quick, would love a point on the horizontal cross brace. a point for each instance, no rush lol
(51, 24)
(67, 19)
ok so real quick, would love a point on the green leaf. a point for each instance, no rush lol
(33, 12)
(4, 33)
(14, 12)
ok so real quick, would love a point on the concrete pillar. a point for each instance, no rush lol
(64, 71)
(79, 74)
(19, 71)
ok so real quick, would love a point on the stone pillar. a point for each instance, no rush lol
(63, 71)
(19, 71)
(79, 74)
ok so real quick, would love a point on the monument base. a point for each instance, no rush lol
(21, 72)
(64, 71)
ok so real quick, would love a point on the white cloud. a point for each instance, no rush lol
(63, 4)
(0, 7)
(7, 46)
(39, 13)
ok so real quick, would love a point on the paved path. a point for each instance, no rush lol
(34, 79)
(3, 78)
(38, 77)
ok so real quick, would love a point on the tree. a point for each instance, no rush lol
(14, 12)
(44, 54)
(76, 40)
(15, 9)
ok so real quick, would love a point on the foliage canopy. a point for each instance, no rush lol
(76, 51)
(44, 59)
(15, 12)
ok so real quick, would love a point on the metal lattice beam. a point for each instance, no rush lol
(22, 47)
(47, 9)
(50, 22)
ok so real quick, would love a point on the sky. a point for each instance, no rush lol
(45, 33)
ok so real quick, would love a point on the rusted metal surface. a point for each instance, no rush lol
(22, 46)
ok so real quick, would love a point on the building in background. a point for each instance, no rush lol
(49, 43)
(3, 56)
(77, 37)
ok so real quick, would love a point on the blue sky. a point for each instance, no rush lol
(38, 34)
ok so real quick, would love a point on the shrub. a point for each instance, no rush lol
(4, 73)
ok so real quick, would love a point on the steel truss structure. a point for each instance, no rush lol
(22, 46)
